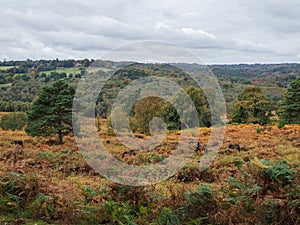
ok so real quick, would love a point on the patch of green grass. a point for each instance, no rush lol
(5, 85)
(3, 68)
(68, 71)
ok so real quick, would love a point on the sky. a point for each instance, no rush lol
(218, 32)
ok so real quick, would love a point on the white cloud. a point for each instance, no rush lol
(197, 33)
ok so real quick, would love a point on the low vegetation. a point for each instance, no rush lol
(47, 183)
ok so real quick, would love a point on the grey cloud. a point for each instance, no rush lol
(220, 31)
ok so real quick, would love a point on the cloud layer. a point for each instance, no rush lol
(217, 31)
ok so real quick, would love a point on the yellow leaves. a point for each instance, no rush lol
(256, 164)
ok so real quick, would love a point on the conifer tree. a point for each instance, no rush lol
(51, 112)
(289, 112)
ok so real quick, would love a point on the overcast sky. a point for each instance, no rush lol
(232, 31)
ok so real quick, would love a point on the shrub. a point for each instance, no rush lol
(13, 121)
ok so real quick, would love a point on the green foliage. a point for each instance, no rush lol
(269, 192)
(147, 108)
(144, 111)
(171, 117)
(14, 106)
(281, 174)
(89, 194)
(290, 106)
(16, 190)
(167, 217)
(252, 106)
(43, 206)
(117, 213)
(242, 193)
(200, 202)
(200, 196)
(238, 162)
(240, 115)
(13, 121)
(51, 112)
(201, 104)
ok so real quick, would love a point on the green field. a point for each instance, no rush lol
(3, 68)
(68, 71)
(4, 85)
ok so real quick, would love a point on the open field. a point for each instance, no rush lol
(7, 67)
(5, 85)
(68, 71)
(52, 183)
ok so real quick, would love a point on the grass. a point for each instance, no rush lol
(5, 85)
(68, 71)
(7, 67)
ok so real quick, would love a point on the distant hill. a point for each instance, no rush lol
(20, 81)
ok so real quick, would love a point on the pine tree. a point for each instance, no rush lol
(51, 112)
(290, 106)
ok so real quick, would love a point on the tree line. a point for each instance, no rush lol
(51, 113)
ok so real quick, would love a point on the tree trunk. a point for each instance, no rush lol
(60, 137)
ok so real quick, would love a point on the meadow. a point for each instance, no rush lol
(68, 71)
(4, 68)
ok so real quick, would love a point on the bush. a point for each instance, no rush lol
(13, 121)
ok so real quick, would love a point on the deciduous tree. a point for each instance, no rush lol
(252, 106)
